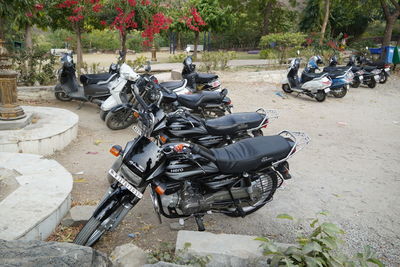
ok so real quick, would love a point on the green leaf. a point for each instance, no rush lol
(275, 260)
(284, 216)
(324, 213)
(376, 261)
(187, 245)
(312, 247)
(270, 248)
(331, 229)
(312, 224)
(291, 251)
(263, 239)
(329, 242)
(311, 262)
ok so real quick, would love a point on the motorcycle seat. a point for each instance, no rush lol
(251, 153)
(205, 77)
(305, 77)
(173, 84)
(377, 64)
(94, 78)
(232, 123)
(369, 68)
(193, 101)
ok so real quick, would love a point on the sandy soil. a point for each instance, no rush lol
(351, 168)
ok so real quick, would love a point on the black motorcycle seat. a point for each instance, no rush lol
(173, 84)
(193, 101)
(369, 68)
(205, 77)
(251, 153)
(305, 77)
(232, 123)
(377, 64)
(94, 78)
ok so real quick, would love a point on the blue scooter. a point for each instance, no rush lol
(341, 79)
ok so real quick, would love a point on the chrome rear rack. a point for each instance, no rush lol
(269, 115)
(300, 140)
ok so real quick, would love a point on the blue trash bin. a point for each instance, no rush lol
(375, 51)
(389, 54)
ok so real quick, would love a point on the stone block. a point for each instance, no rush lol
(128, 255)
(78, 215)
(176, 75)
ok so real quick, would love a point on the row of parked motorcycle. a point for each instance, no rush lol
(194, 159)
(333, 79)
(192, 164)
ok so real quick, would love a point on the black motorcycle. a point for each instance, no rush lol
(199, 81)
(188, 180)
(181, 125)
(376, 67)
(205, 104)
(95, 87)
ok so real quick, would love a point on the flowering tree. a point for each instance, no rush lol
(78, 16)
(128, 15)
(196, 24)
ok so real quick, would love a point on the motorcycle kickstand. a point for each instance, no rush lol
(200, 224)
(80, 105)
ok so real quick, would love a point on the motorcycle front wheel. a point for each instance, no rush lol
(340, 93)
(120, 119)
(320, 96)
(383, 78)
(372, 83)
(286, 88)
(355, 84)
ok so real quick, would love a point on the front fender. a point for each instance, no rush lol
(122, 107)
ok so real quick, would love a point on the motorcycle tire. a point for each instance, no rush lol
(103, 114)
(355, 84)
(62, 96)
(372, 83)
(120, 119)
(320, 96)
(87, 231)
(250, 209)
(286, 88)
(340, 93)
(382, 78)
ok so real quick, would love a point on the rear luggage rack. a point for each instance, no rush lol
(269, 114)
(300, 140)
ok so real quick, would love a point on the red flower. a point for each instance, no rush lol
(132, 2)
(97, 8)
(146, 2)
(103, 22)
(39, 6)
(29, 14)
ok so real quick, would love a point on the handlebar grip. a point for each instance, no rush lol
(202, 152)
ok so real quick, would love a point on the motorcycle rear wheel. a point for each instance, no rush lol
(120, 119)
(320, 96)
(340, 93)
(261, 203)
(372, 83)
(286, 88)
(62, 96)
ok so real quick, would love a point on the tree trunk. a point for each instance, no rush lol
(325, 22)
(387, 36)
(79, 57)
(28, 37)
(123, 45)
(179, 44)
(267, 10)
(390, 21)
(196, 42)
(2, 23)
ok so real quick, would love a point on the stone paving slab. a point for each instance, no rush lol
(34, 209)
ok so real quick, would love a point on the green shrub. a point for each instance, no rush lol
(217, 60)
(269, 54)
(177, 58)
(320, 248)
(138, 63)
(34, 65)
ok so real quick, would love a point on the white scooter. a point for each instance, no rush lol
(316, 88)
(119, 95)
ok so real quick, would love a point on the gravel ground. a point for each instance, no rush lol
(351, 168)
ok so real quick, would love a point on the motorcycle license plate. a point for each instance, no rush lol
(125, 183)
(327, 90)
(137, 130)
(377, 78)
(387, 69)
(215, 84)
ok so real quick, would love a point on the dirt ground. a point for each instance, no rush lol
(351, 168)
